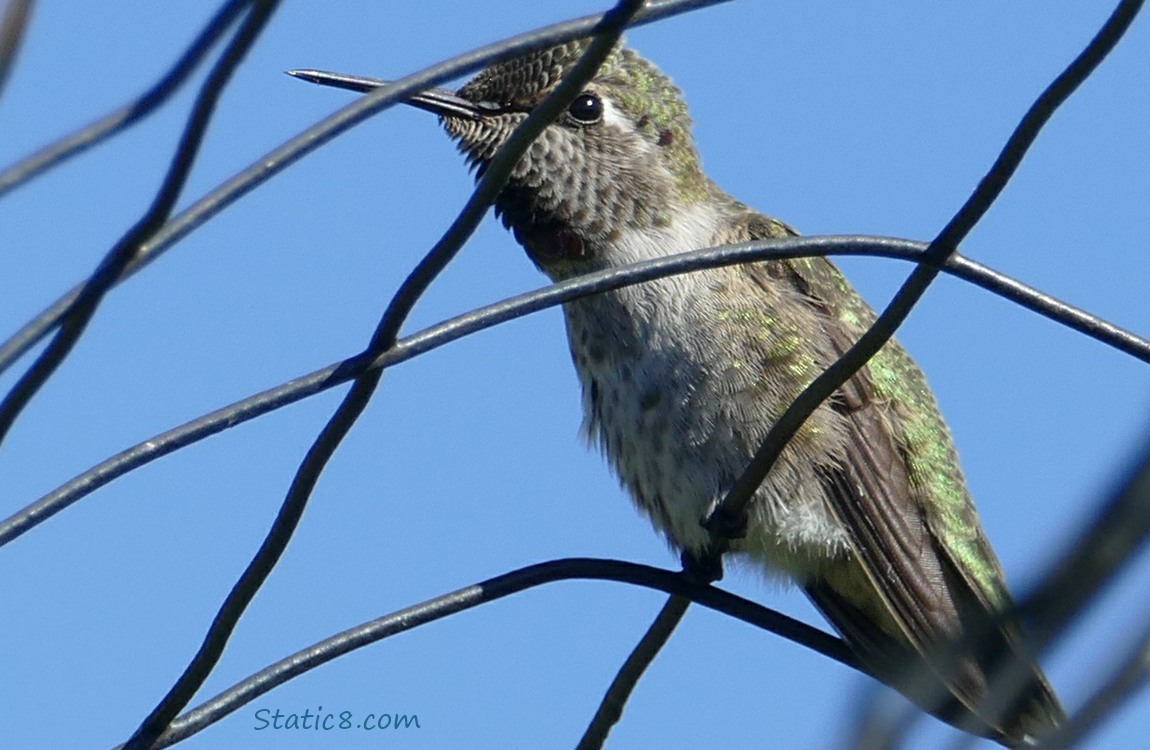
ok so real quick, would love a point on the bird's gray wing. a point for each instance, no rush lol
(928, 599)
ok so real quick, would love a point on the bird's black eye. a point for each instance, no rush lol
(586, 109)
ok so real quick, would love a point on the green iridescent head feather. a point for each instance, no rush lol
(639, 89)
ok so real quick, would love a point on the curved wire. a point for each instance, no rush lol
(12, 28)
(514, 307)
(70, 145)
(76, 318)
(676, 584)
(611, 706)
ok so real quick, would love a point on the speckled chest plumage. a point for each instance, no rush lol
(681, 378)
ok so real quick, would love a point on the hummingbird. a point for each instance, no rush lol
(866, 510)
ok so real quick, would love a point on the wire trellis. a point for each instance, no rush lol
(1086, 566)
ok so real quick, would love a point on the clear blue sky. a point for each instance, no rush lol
(836, 117)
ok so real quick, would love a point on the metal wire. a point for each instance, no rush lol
(120, 119)
(77, 316)
(486, 592)
(506, 310)
(12, 28)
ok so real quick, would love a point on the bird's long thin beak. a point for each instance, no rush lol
(438, 101)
